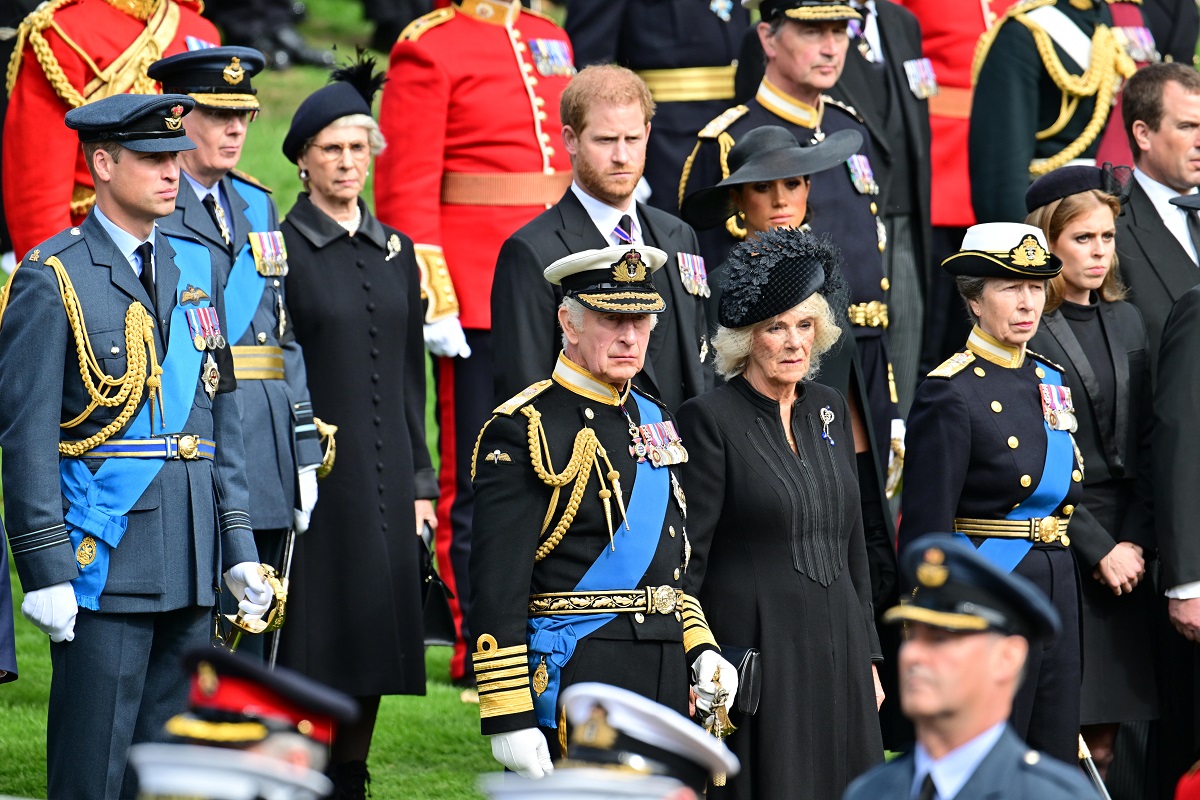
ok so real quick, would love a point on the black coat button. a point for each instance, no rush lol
(375, 377)
(370, 306)
(373, 331)
(379, 466)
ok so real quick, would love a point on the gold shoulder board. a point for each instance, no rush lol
(250, 179)
(522, 397)
(718, 125)
(421, 25)
(1043, 359)
(829, 101)
(953, 365)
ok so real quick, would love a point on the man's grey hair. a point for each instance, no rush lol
(575, 314)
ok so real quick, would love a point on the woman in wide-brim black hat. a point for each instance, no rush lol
(354, 610)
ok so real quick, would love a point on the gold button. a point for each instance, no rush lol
(676, 573)
(1076, 475)
(996, 406)
(885, 284)
(640, 617)
(979, 371)
(549, 152)
(587, 412)
(671, 530)
(874, 208)
(1012, 442)
(882, 247)
(276, 283)
(262, 337)
(1068, 510)
(1041, 373)
(1026, 480)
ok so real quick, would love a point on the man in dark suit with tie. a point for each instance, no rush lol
(1157, 240)
(606, 113)
(970, 627)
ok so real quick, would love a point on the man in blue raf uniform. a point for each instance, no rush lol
(236, 218)
(123, 466)
(970, 628)
(580, 532)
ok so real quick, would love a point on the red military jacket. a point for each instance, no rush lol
(470, 114)
(47, 186)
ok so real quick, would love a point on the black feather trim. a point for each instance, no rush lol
(360, 73)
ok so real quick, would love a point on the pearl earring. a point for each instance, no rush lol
(303, 174)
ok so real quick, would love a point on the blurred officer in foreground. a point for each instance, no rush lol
(970, 627)
(235, 217)
(470, 115)
(247, 733)
(70, 53)
(123, 466)
(8, 642)
(585, 584)
(622, 745)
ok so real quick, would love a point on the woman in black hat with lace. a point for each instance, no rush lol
(354, 609)
(779, 558)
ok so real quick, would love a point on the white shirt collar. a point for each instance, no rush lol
(953, 770)
(1173, 217)
(125, 241)
(605, 217)
(201, 190)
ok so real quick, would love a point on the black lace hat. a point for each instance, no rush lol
(776, 271)
(351, 90)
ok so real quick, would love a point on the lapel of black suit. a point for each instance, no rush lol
(578, 232)
(1164, 254)
(1120, 361)
(239, 224)
(196, 217)
(1060, 329)
(166, 280)
(859, 87)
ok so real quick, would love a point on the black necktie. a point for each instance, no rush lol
(145, 250)
(928, 790)
(1193, 226)
(624, 230)
(218, 217)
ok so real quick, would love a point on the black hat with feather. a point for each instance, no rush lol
(351, 90)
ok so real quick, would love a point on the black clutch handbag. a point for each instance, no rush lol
(435, 597)
(749, 667)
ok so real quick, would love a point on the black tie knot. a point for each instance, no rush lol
(145, 252)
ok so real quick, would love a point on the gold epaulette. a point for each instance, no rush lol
(695, 627)
(953, 365)
(1043, 359)
(849, 109)
(509, 406)
(502, 674)
(250, 179)
(985, 41)
(33, 25)
(718, 125)
(422, 25)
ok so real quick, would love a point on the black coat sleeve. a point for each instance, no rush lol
(703, 479)
(938, 453)
(424, 475)
(595, 30)
(524, 319)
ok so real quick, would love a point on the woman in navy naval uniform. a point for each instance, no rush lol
(990, 455)
(1101, 342)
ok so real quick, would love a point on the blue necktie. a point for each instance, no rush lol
(624, 230)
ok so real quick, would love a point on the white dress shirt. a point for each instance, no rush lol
(1174, 217)
(605, 217)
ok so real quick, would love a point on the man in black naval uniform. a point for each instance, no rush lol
(970, 630)
(236, 218)
(685, 51)
(125, 489)
(580, 545)
(1032, 110)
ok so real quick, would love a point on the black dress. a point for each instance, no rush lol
(1102, 348)
(780, 564)
(354, 607)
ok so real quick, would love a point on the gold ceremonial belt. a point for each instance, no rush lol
(504, 188)
(253, 362)
(651, 600)
(868, 315)
(689, 83)
(1044, 530)
(169, 447)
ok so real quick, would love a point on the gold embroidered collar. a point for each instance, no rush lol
(571, 376)
(138, 9)
(494, 12)
(989, 348)
(774, 100)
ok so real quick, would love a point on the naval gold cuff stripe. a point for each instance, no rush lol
(509, 683)
(500, 663)
(499, 652)
(510, 701)
(512, 672)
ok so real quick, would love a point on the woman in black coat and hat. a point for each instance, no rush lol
(354, 609)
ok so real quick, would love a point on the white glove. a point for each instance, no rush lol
(524, 752)
(301, 516)
(247, 585)
(703, 669)
(53, 610)
(445, 337)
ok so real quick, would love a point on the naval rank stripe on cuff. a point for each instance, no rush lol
(232, 520)
(503, 702)
(695, 626)
(38, 540)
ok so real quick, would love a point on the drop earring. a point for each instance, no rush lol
(303, 174)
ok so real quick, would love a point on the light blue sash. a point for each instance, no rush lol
(100, 501)
(1051, 490)
(622, 568)
(245, 287)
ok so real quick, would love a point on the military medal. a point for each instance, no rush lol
(281, 313)
(693, 274)
(1138, 42)
(921, 78)
(552, 58)
(541, 677)
(1057, 408)
(855, 29)
(210, 376)
(826, 418)
(270, 253)
(722, 8)
(638, 448)
(680, 499)
(861, 174)
(665, 447)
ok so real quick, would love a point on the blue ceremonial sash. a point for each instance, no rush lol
(245, 287)
(1051, 490)
(100, 501)
(555, 637)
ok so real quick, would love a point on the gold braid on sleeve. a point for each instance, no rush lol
(326, 432)
(436, 285)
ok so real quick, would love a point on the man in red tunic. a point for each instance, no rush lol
(70, 53)
(470, 113)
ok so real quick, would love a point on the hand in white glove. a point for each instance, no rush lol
(53, 610)
(445, 337)
(307, 477)
(703, 670)
(524, 752)
(251, 591)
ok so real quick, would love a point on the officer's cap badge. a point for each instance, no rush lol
(234, 72)
(175, 121)
(1029, 253)
(630, 268)
(932, 572)
(596, 732)
(206, 679)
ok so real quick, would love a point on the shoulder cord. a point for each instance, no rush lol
(31, 30)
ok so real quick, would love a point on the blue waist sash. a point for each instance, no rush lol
(245, 287)
(1051, 490)
(99, 502)
(555, 637)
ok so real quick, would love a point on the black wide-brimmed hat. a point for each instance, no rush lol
(957, 589)
(351, 90)
(776, 271)
(614, 280)
(1004, 250)
(803, 10)
(1066, 181)
(768, 153)
(215, 77)
(145, 123)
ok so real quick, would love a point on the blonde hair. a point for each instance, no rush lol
(1053, 218)
(602, 83)
(732, 346)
